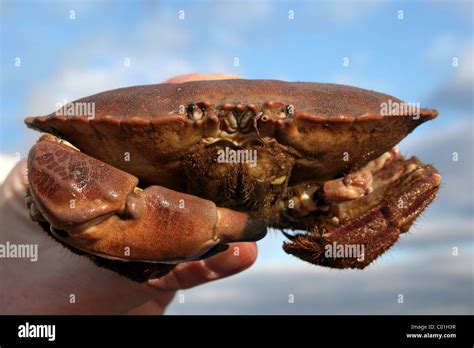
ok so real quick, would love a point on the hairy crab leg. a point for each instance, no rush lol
(99, 209)
(366, 227)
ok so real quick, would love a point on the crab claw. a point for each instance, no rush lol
(98, 209)
(372, 224)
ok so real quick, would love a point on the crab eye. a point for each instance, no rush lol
(289, 110)
(194, 112)
(191, 108)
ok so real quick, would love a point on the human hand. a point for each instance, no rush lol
(61, 282)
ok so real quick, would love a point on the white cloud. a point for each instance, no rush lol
(339, 13)
(440, 146)
(242, 12)
(431, 282)
(69, 84)
(463, 9)
(157, 49)
(433, 232)
(6, 165)
(456, 92)
(152, 54)
(443, 48)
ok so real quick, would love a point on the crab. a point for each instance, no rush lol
(161, 174)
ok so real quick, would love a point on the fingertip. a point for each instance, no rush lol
(237, 258)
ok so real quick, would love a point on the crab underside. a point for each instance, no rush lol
(169, 173)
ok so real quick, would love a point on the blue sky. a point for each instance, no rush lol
(410, 58)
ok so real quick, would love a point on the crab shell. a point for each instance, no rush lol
(141, 136)
(150, 123)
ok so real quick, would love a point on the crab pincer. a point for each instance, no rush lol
(99, 209)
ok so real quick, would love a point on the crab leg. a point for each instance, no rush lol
(366, 227)
(316, 197)
(358, 184)
(99, 209)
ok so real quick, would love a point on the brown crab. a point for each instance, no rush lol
(165, 173)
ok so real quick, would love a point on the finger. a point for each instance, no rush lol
(201, 77)
(237, 258)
